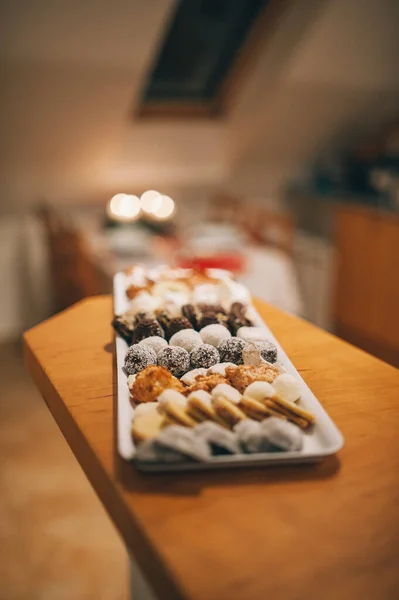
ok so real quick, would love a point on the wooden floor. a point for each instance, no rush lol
(56, 541)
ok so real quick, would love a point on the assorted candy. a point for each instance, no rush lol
(204, 379)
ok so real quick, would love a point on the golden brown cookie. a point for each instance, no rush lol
(147, 425)
(152, 381)
(240, 377)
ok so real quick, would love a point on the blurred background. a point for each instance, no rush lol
(257, 135)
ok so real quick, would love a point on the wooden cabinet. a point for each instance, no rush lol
(366, 307)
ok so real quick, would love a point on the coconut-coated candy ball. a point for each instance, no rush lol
(204, 356)
(231, 351)
(175, 359)
(187, 339)
(214, 334)
(155, 342)
(268, 351)
(138, 358)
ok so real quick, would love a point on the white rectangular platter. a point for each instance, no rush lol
(324, 439)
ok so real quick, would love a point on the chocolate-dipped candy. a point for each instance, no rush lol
(212, 308)
(268, 351)
(238, 310)
(189, 311)
(231, 351)
(163, 319)
(176, 359)
(155, 342)
(123, 327)
(176, 325)
(235, 323)
(209, 319)
(204, 356)
(138, 358)
(214, 334)
(146, 328)
(187, 339)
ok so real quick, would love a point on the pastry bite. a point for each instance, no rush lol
(176, 414)
(287, 387)
(219, 368)
(199, 406)
(143, 303)
(204, 356)
(230, 291)
(226, 391)
(155, 342)
(240, 377)
(207, 382)
(231, 351)
(146, 328)
(176, 325)
(171, 395)
(206, 293)
(291, 411)
(147, 425)
(218, 437)
(227, 411)
(138, 358)
(152, 381)
(187, 339)
(176, 359)
(254, 409)
(165, 288)
(184, 440)
(214, 334)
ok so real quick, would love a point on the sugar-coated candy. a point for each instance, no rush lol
(287, 387)
(282, 434)
(187, 339)
(138, 358)
(204, 356)
(214, 334)
(183, 439)
(151, 451)
(155, 342)
(259, 390)
(231, 351)
(251, 438)
(218, 436)
(176, 359)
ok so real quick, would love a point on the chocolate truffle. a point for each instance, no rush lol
(138, 358)
(146, 328)
(190, 313)
(176, 359)
(204, 356)
(187, 339)
(212, 308)
(268, 351)
(214, 334)
(231, 351)
(163, 319)
(176, 325)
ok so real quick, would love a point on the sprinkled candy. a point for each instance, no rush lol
(187, 339)
(138, 358)
(176, 359)
(204, 356)
(231, 351)
(268, 351)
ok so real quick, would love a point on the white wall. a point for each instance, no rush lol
(329, 72)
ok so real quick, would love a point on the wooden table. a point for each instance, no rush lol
(326, 531)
